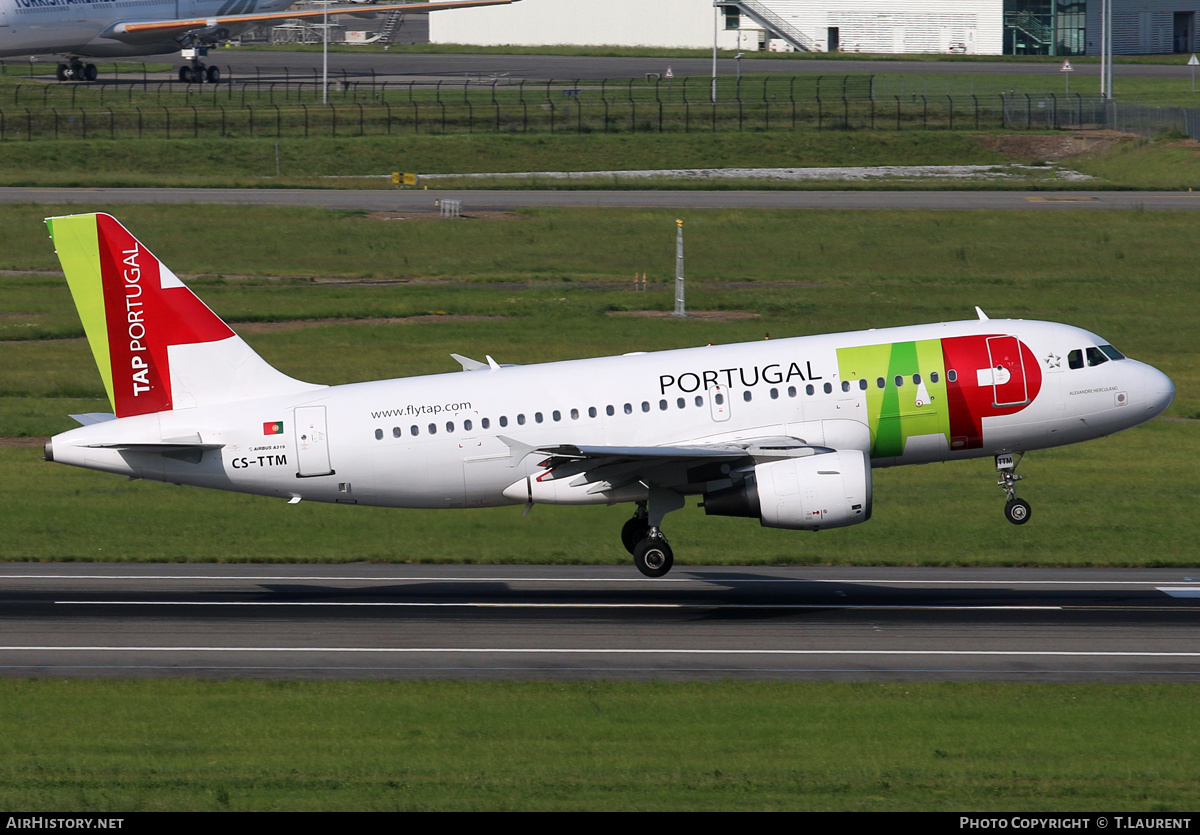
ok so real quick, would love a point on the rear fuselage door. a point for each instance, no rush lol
(312, 442)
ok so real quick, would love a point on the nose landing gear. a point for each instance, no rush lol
(1016, 510)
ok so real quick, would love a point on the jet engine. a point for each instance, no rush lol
(827, 490)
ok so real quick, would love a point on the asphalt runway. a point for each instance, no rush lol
(564, 622)
(399, 200)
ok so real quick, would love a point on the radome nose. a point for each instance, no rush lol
(1160, 391)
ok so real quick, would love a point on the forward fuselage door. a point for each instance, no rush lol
(312, 442)
(1007, 371)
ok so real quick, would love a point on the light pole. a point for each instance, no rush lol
(325, 56)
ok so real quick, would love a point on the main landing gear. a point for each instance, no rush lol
(643, 537)
(1016, 510)
(195, 72)
(198, 73)
(76, 70)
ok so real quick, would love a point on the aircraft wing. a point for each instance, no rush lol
(143, 31)
(611, 467)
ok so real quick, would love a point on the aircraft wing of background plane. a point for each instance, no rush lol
(142, 31)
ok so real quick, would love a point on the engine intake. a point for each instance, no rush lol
(831, 490)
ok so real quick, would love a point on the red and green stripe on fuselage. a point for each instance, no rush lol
(940, 387)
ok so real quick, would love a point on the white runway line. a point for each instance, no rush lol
(610, 651)
(899, 607)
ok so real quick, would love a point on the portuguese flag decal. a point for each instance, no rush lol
(273, 427)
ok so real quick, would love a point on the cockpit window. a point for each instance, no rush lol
(1075, 359)
(1112, 353)
(1095, 357)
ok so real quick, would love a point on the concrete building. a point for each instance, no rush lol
(983, 27)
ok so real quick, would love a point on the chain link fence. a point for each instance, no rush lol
(294, 107)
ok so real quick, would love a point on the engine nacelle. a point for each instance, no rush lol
(829, 490)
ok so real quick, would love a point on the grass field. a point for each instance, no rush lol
(553, 285)
(401, 746)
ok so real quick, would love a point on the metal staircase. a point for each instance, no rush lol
(391, 27)
(1038, 32)
(767, 19)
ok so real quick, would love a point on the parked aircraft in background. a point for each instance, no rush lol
(80, 29)
(786, 431)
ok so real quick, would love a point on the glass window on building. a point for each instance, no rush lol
(1045, 27)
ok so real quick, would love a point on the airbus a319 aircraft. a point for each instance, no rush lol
(80, 29)
(786, 431)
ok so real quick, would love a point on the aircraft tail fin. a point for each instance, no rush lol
(157, 346)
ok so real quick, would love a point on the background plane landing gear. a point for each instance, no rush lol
(1016, 510)
(76, 71)
(653, 556)
(199, 73)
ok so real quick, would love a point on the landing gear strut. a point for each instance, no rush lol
(76, 71)
(1016, 510)
(643, 537)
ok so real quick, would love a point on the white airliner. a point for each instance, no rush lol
(786, 431)
(82, 29)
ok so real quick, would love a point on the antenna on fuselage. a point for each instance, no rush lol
(983, 317)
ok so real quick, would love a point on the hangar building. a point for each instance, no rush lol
(982, 27)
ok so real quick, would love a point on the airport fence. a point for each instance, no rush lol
(302, 106)
(294, 107)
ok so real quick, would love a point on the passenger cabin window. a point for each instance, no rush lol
(746, 396)
(414, 430)
(485, 423)
(591, 411)
(504, 420)
(933, 377)
(467, 425)
(520, 420)
(610, 411)
(379, 434)
(395, 431)
(828, 387)
(433, 429)
(629, 408)
(952, 375)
